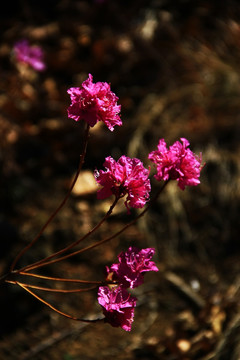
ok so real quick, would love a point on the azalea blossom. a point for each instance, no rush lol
(94, 102)
(132, 266)
(177, 163)
(118, 306)
(125, 176)
(31, 55)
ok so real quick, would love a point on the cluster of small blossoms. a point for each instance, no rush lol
(124, 177)
(94, 102)
(30, 55)
(177, 163)
(127, 177)
(117, 303)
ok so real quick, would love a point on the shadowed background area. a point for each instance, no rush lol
(175, 69)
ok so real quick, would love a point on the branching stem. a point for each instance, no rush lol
(98, 243)
(60, 279)
(82, 158)
(47, 259)
(53, 308)
(51, 290)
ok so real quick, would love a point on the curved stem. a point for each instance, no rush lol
(5, 277)
(82, 157)
(53, 308)
(47, 259)
(98, 243)
(60, 279)
(51, 290)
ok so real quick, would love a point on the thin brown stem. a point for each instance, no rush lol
(5, 277)
(47, 259)
(60, 279)
(82, 157)
(35, 266)
(51, 290)
(53, 308)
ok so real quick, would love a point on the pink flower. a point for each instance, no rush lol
(177, 163)
(94, 102)
(125, 176)
(31, 55)
(133, 264)
(118, 306)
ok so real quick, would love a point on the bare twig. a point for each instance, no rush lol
(44, 262)
(52, 216)
(53, 308)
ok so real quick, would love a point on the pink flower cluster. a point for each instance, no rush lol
(94, 102)
(127, 177)
(117, 304)
(177, 163)
(124, 177)
(131, 267)
(31, 55)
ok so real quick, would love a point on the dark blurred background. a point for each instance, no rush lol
(175, 68)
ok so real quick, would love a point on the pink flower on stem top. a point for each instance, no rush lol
(125, 176)
(118, 306)
(132, 266)
(94, 102)
(31, 55)
(177, 163)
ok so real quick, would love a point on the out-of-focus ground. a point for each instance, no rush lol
(175, 68)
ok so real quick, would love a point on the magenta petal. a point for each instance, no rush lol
(94, 102)
(124, 177)
(118, 306)
(132, 266)
(31, 55)
(177, 163)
